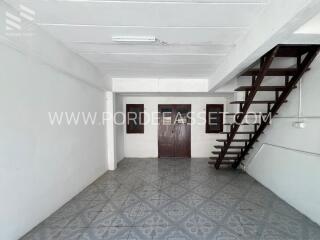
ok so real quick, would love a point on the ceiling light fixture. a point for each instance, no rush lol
(134, 39)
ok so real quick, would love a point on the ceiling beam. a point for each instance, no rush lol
(279, 20)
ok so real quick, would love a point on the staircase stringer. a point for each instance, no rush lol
(265, 62)
(290, 85)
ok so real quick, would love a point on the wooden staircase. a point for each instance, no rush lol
(229, 154)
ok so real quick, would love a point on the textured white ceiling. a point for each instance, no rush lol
(194, 35)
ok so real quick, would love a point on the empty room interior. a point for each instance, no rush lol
(160, 119)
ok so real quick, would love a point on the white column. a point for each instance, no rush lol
(111, 159)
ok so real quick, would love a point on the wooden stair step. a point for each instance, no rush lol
(255, 102)
(245, 124)
(225, 158)
(218, 152)
(261, 88)
(272, 72)
(234, 140)
(223, 162)
(238, 133)
(293, 50)
(250, 113)
(231, 147)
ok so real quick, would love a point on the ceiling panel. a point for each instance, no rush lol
(226, 36)
(102, 48)
(193, 36)
(145, 13)
(157, 70)
(154, 59)
(173, 1)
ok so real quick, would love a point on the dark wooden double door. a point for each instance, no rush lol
(174, 131)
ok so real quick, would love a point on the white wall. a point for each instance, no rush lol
(43, 166)
(40, 45)
(146, 145)
(159, 85)
(119, 128)
(288, 160)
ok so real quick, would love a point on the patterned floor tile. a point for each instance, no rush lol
(313, 231)
(176, 211)
(159, 200)
(71, 233)
(214, 211)
(43, 233)
(234, 191)
(264, 200)
(146, 191)
(189, 184)
(58, 222)
(102, 221)
(282, 207)
(131, 200)
(144, 211)
(94, 233)
(109, 208)
(175, 199)
(130, 213)
(226, 199)
(251, 210)
(243, 226)
(204, 191)
(193, 200)
(150, 232)
(272, 234)
(161, 183)
(175, 191)
(224, 234)
(174, 234)
(286, 224)
(198, 226)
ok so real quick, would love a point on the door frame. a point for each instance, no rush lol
(174, 110)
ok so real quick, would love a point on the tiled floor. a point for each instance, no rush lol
(176, 200)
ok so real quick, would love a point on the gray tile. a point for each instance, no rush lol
(175, 191)
(282, 207)
(252, 210)
(224, 234)
(41, 233)
(71, 233)
(174, 234)
(226, 199)
(204, 191)
(198, 226)
(243, 226)
(149, 232)
(176, 210)
(146, 191)
(214, 211)
(175, 199)
(313, 232)
(193, 200)
(286, 224)
(273, 234)
(93, 233)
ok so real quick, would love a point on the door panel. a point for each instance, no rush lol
(174, 139)
(182, 131)
(166, 131)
